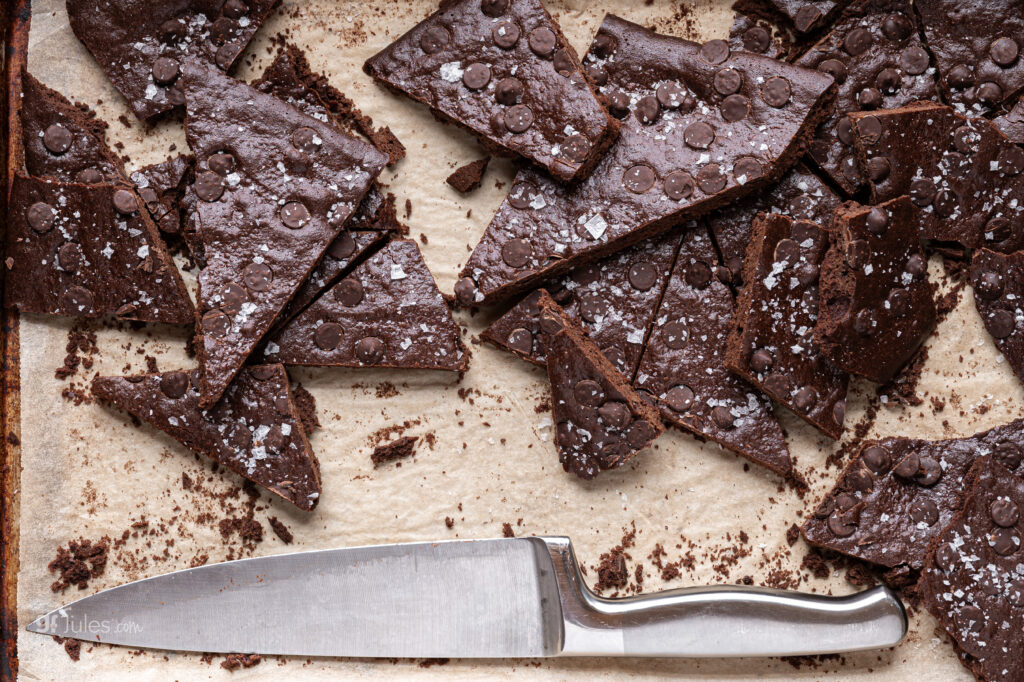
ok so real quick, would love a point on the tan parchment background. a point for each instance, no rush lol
(492, 454)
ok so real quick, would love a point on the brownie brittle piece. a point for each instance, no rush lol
(468, 177)
(62, 140)
(255, 430)
(800, 194)
(86, 251)
(502, 70)
(998, 282)
(977, 46)
(386, 313)
(966, 177)
(876, 304)
(600, 421)
(1011, 123)
(973, 581)
(142, 46)
(898, 494)
(701, 127)
(879, 62)
(274, 188)
(614, 300)
(683, 364)
(771, 340)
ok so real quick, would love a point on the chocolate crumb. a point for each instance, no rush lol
(80, 561)
(233, 662)
(506, 530)
(281, 530)
(469, 177)
(395, 450)
(449, 522)
(73, 647)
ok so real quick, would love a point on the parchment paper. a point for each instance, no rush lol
(88, 472)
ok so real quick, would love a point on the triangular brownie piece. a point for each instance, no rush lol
(386, 313)
(273, 192)
(614, 300)
(876, 303)
(683, 366)
(998, 281)
(800, 194)
(966, 177)
(63, 140)
(600, 421)
(771, 340)
(973, 582)
(502, 70)
(879, 62)
(86, 251)
(143, 46)
(255, 430)
(701, 127)
(898, 494)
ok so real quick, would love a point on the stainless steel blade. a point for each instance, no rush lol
(479, 598)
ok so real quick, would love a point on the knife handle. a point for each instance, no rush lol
(719, 621)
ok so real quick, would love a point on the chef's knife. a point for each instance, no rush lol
(517, 597)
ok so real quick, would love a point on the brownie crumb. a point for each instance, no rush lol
(233, 662)
(430, 662)
(506, 530)
(281, 530)
(80, 349)
(814, 562)
(397, 449)
(792, 535)
(73, 647)
(78, 562)
(469, 177)
(305, 406)
(449, 522)
(612, 572)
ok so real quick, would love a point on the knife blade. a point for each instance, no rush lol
(505, 598)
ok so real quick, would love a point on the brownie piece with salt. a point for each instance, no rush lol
(683, 369)
(998, 282)
(702, 126)
(771, 343)
(804, 17)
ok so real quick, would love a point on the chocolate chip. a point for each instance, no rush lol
(735, 108)
(294, 215)
(1004, 512)
(1008, 454)
(699, 135)
(166, 70)
(1004, 541)
(615, 414)
(232, 297)
(671, 95)
(57, 139)
(776, 91)
(550, 323)
(124, 202)
(235, 9)
(342, 247)
(857, 41)
(434, 39)
(888, 82)
(576, 148)
(542, 41)
(723, 418)
(678, 185)
(786, 251)
(756, 39)
(40, 217)
(987, 284)
(698, 275)
(588, 393)
(727, 81)
(597, 74)
(805, 399)
(604, 44)
(990, 93)
(826, 507)
(521, 340)
(519, 118)
(1011, 160)
(476, 76)
(89, 176)
(508, 91)
(747, 168)
(864, 322)
(914, 60)
(842, 524)
(592, 307)
(878, 168)
(506, 34)
(618, 104)
(908, 467)
(257, 276)
(305, 140)
(70, 257)
(924, 511)
(860, 480)
(523, 195)
(998, 229)
(679, 398)
(899, 302)
(226, 55)
(209, 186)
(174, 384)
(216, 323)
(647, 110)
(263, 372)
(639, 434)
(370, 350)
(675, 334)
(349, 292)
(493, 8)
(221, 163)
(778, 384)
(639, 178)
(643, 276)
(877, 459)
(563, 62)
(516, 252)
(877, 221)
(328, 335)
(945, 557)
(930, 472)
(839, 412)
(834, 68)
(714, 51)
(960, 76)
(1000, 323)
(465, 290)
(711, 179)
(1003, 51)
(761, 360)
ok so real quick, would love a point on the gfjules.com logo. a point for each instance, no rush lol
(81, 625)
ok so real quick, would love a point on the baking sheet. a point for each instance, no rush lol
(485, 458)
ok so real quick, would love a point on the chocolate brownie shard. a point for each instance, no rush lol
(162, 187)
(998, 282)
(600, 421)
(502, 70)
(802, 16)
(876, 305)
(468, 177)
(770, 344)
(683, 364)
(962, 173)
(977, 45)
(1011, 123)
(62, 140)
(973, 581)
(879, 62)
(898, 494)
(614, 300)
(274, 189)
(143, 46)
(86, 251)
(800, 194)
(254, 430)
(702, 126)
(386, 313)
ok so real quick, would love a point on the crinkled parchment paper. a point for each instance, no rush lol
(88, 472)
